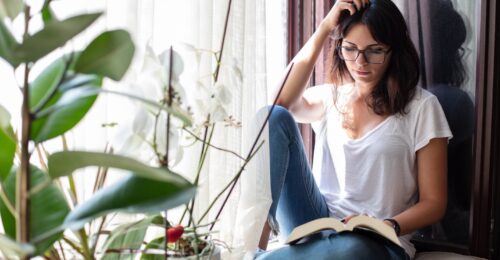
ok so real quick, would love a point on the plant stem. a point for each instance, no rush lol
(233, 181)
(223, 41)
(85, 244)
(7, 202)
(169, 103)
(200, 166)
(73, 245)
(251, 152)
(62, 250)
(98, 234)
(213, 146)
(23, 178)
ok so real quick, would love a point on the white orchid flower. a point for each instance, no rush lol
(132, 136)
(174, 148)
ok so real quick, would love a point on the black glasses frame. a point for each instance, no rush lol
(339, 49)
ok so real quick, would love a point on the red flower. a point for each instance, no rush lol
(174, 233)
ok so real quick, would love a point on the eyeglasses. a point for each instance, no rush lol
(372, 55)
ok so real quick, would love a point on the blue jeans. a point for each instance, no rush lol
(297, 200)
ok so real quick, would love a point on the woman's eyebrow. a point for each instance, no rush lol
(371, 45)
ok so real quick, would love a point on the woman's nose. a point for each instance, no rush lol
(361, 59)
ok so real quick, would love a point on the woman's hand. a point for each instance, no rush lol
(331, 20)
(346, 219)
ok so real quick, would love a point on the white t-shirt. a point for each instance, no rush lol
(375, 174)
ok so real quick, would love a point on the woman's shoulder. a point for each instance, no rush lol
(421, 97)
(322, 92)
(322, 89)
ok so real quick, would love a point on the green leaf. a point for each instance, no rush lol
(157, 243)
(8, 141)
(10, 8)
(47, 14)
(48, 208)
(64, 163)
(129, 236)
(7, 44)
(131, 194)
(46, 83)
(54, 35)
(66, 108)
(13, 249)
(108, 55)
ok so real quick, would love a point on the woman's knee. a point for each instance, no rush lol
(280, 115)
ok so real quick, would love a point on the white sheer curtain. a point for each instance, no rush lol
(255, 43)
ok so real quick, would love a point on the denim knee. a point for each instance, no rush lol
(280, 115)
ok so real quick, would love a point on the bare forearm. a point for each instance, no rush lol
(422, 214)
(303, 64)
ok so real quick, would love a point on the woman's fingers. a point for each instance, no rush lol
(346, 219)
(347, 5)
(359, 4)
(332, 19)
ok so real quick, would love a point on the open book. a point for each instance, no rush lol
(358, 222)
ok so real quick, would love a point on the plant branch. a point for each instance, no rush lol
(41, 158)
(169, 102)
(73, 245)
(23, 179)
(233, 182)
(203, 156)
(251, 152)
(62, 250)
(85, 244)
(200, 164)
(213, 146)
(223, 41)
(7, 202)
(98, 234)
(155, 128)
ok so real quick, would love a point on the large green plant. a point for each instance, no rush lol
(33, 209)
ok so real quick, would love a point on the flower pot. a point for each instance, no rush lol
(211, 252)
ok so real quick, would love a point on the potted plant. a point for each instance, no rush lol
(33, 209)
(60, 97)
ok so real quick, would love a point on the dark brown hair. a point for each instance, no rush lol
(387, 26)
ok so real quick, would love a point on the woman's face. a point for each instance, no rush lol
(367, 72)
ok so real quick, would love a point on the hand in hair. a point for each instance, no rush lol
(331, 20)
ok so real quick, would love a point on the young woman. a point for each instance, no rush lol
(380, 145)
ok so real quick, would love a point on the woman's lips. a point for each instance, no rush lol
(361, 73)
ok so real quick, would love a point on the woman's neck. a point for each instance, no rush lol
(363, 89)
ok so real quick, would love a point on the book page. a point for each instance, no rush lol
(314, 227)
(375, 225)
(363, 222)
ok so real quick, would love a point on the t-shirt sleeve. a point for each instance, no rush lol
(325, 92)
(429, 123)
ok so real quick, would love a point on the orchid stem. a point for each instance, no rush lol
(251, 152)
(231, 184)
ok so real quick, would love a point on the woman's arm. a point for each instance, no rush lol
(432, 185)
(291, 96)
